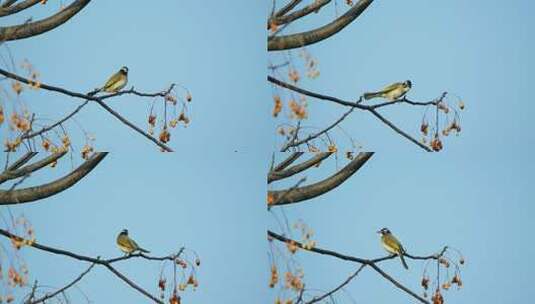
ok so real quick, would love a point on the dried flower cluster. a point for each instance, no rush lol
(169, 121)
(13, 270)
(293, 282)
(311, 64)
(443, 282)
(452, 124)
(294, 107)
(184, 276)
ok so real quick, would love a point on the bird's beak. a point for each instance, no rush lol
(379, 231)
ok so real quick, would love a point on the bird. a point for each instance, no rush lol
(392, 245)
(128, 245)
(116, 82)
(391, 92)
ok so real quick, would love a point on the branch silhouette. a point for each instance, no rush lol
(61, 290)
(299, 194)
(279, 43)
(281, 172)
(31, 29)
(100, 101)
(107, 263)
(367, 262)
(11, 197)
(287, 18)
(13, 9)
(358, 105)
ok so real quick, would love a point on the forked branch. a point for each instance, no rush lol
(363, 261)
(295, 195)
(100, 101)
(373, 109)
(11, 197)
(107, 263)
(31, 29)
(13, 9)
(276, 175)
(278, 43)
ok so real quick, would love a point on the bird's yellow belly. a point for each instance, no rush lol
(390, 249)
(124, 248)
(116, 86)
(395, 94)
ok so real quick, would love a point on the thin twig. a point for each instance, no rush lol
(100, 102)
(358, 104)
(61, 290)
(328, 294)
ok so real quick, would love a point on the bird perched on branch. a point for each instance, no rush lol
(115, 83)
(128, 245)
(392, 245)
(392, 92)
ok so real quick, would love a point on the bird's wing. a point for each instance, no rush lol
(393, 243)
(391, 87)
(113, 79)
(125, 242)
(134, 244)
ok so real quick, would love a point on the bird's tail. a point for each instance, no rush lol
(403, 261)
(143, 250)
(372, 95)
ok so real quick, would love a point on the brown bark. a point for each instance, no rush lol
(12, 174)
(31, 29)
(13, 9)
(43, 191)
(295, 195)
(292, 41)
(281, 174)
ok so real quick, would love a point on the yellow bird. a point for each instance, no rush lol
(128, 245)
(392, 92)
(392, 245)
(116, 82)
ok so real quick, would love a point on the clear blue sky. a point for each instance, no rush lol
(476, 194)
(204, 196)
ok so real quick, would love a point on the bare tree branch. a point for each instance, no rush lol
(132, 284)
(102, 262)
(399, 131)
(313, 7)
(12, 174)
(8, 3)
(52, 126)
(21, 161)
(13, 9)
(398, 284)
(278, 43)
(38, 27)
(370, 108)
(296, 143)
(369, 262)
(307, 192)
(39, 192)
(339, 101)
(288, 7)
(288, 161)
(63, 289)
(281, 174)
(100, 101)
(344, 283)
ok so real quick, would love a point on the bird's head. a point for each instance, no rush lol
(408, 83)
(124, 70)
(384, 231)
(125, 232)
